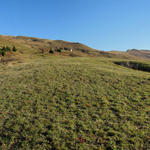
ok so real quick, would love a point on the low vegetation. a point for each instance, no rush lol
(51, 51)
(84, 99)
(68, 103)
(5, 49)
(59, 50)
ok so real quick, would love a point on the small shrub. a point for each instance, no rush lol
(59, 50)
(7, 48)
(3, 48)
(14, 49)
(3, 53)
(51, 51)
(65, 48)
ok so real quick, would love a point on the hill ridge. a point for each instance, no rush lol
(28, 45)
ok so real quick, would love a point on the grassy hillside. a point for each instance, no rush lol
(140, 53)
(29, 47)
(81, 99)
(74, 103)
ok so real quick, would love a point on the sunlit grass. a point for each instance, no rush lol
(73, 103)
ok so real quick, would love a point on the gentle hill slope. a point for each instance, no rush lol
(57, 102)
(43, 45)
(140, 53)
(30, 46)
(70, 103)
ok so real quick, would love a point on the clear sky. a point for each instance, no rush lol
(101, 24)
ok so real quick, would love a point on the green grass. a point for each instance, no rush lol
(64, 103)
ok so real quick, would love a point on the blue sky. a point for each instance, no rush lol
(101, 24)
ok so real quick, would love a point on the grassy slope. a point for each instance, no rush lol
(140, 53)
(29, 46)
(74, 103)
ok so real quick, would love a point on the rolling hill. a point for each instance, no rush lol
(80, 100)
(29, 46)
(145, 54)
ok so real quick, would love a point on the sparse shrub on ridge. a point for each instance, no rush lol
(3, 53)
(6, 49)
(59, 50)
(14, 49)
(51, 51)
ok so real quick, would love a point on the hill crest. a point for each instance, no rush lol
(33, 45)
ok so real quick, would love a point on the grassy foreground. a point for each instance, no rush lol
(63, 103)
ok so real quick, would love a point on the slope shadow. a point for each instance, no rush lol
(134, 65)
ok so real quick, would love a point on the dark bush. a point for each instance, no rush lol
(59, 50)
(51, 51)
(14, 49)
(7, 48)
(3, 53)
(65, 48)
